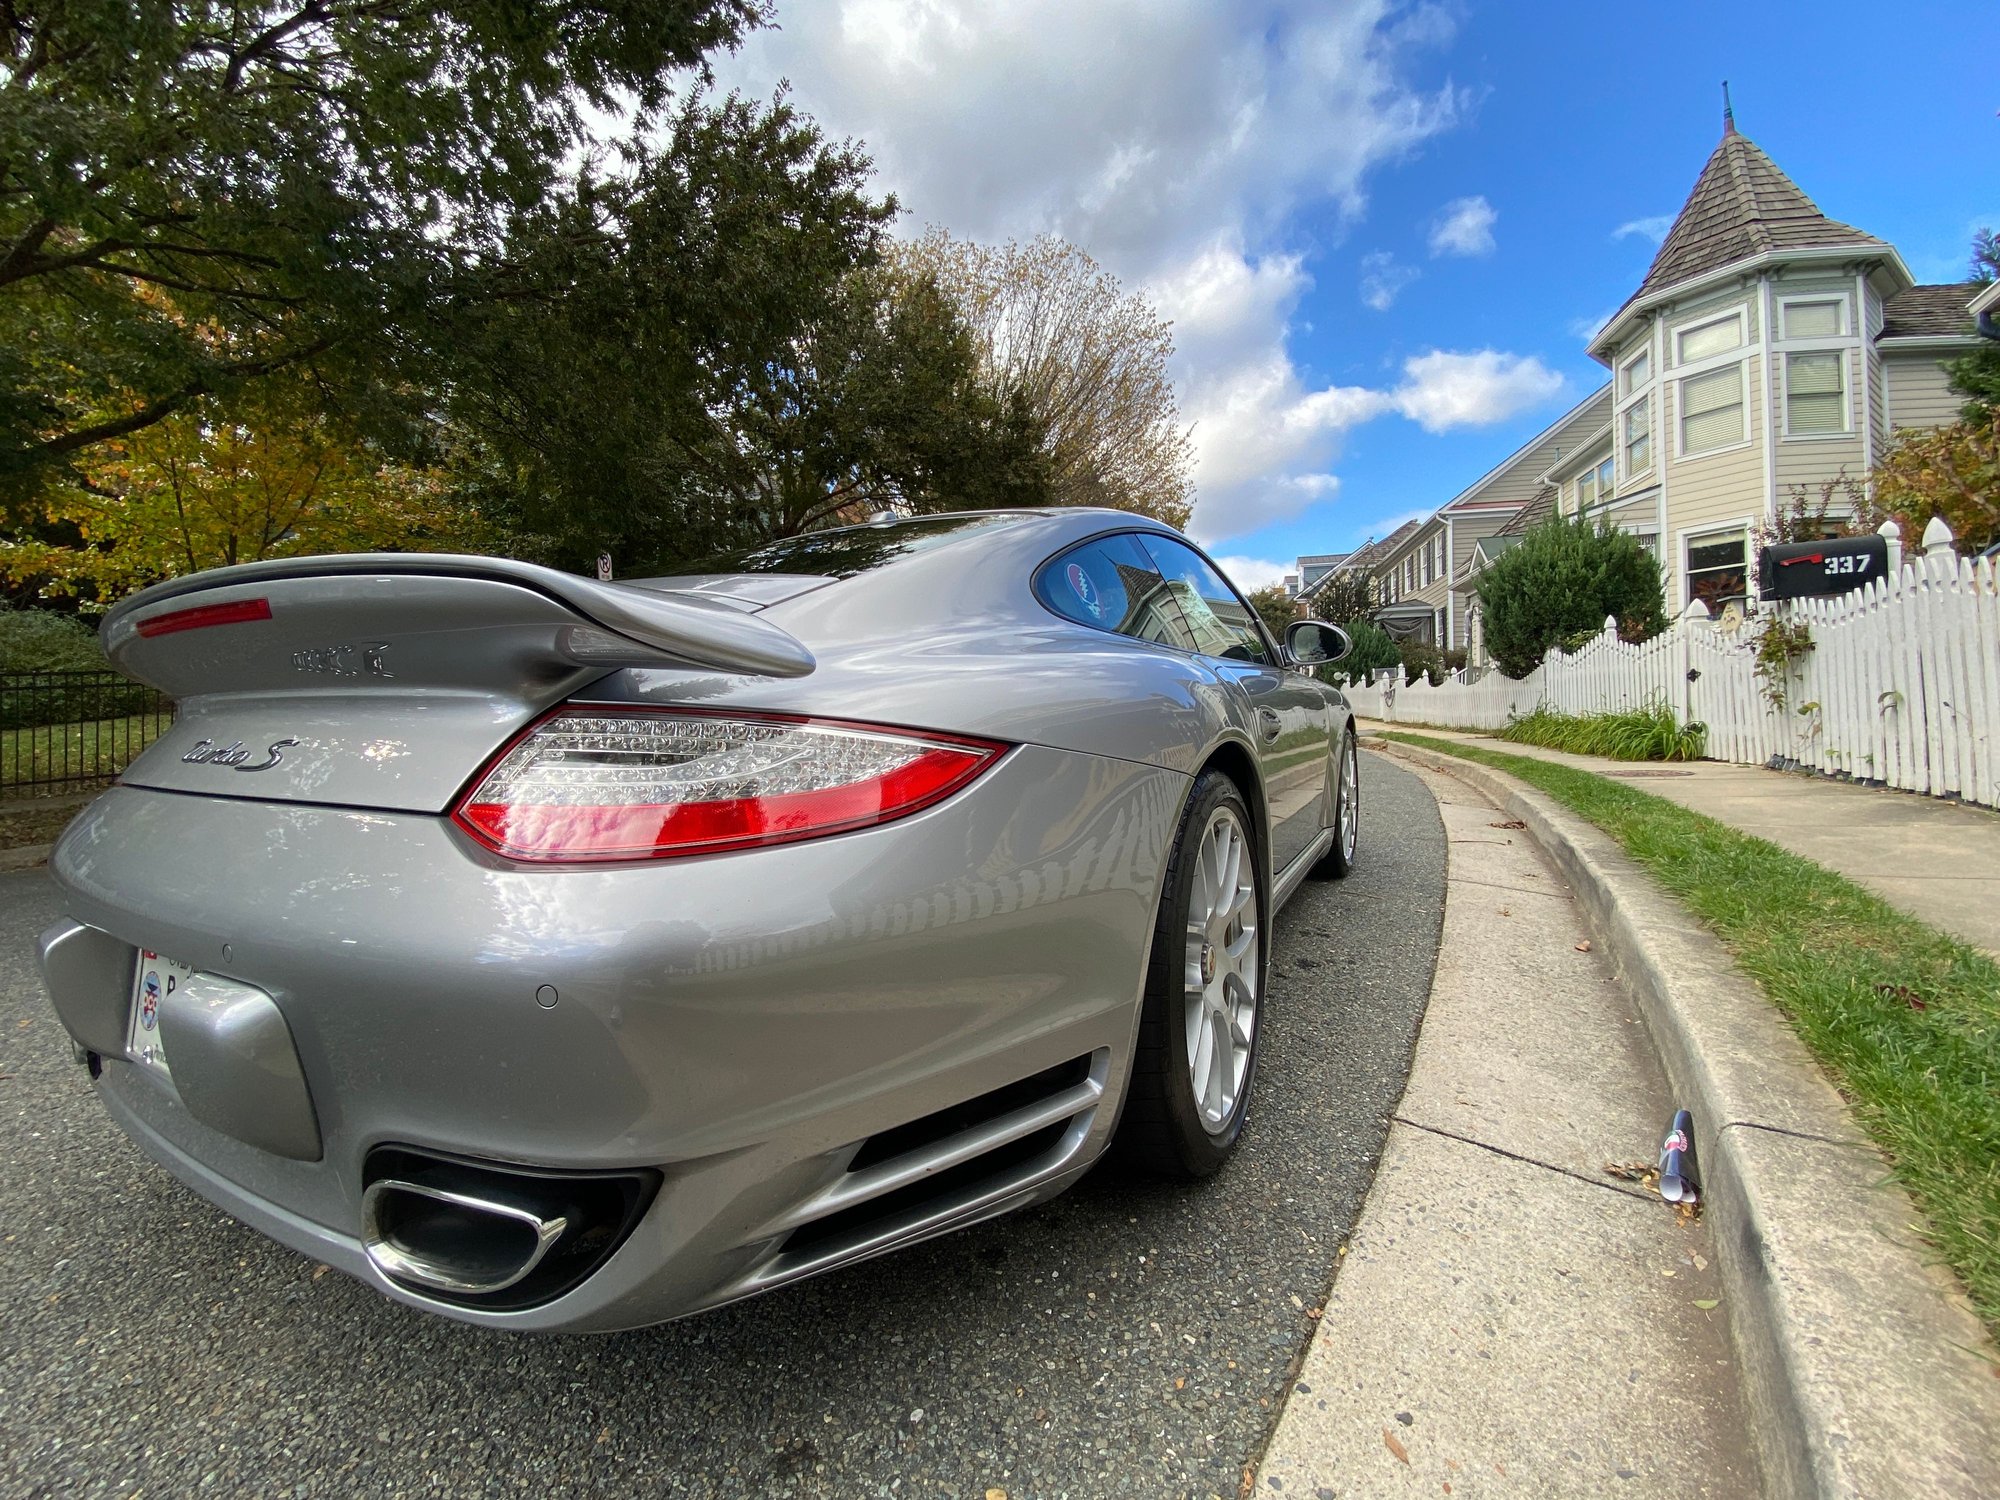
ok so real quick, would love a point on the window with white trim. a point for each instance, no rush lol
(1815, 392)
(1815, 319)
(1717, 571)
(1637, 372)
(1637, 431)
(1706, 340)
(1712, 410)
(1593, 485)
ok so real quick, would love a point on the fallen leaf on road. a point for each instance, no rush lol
(1633, 1171)
(1584, 946)
(1516, 823)
(1705, 1303)
(996, 1493)
(319, 1271)
(1390, 1440)
(1180, 1382)
(604, 1436)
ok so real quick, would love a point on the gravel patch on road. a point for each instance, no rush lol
(1128, 1338)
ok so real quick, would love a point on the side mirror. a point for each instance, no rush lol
(1314, 643)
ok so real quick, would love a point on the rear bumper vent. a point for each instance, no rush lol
(494, 1237)
(944, 1166)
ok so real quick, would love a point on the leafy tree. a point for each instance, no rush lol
(1953, 472)
(1347, 596)
(1976, 376)
(196, 490)
(1374, 651)
(299, 177)
(688, 356)
(1275, 607)
(1087, 361)
(1564, 577)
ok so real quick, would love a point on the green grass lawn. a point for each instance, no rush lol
(98, 749)
(1905, 1019)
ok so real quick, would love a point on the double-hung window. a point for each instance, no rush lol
(1593, 485)
(1712, 410)
(1636, 430)
(1816, 401)
(1713, 401)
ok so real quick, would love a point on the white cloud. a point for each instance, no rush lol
(1587, 328)
(1654, 229)
(1253, 573)
(1442, 390)
(1174, 140)
(1464, 226)
(1383, 279)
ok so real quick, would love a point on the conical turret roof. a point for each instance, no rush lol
(1741, 206)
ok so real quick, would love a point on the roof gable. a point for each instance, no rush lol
(1742, 206)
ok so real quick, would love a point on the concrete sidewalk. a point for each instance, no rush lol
(1939, 861)
(1508, 1319)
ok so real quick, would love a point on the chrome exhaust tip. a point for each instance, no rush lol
(450, 1241)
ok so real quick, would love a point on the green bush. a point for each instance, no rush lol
(1649, 733)
(1373, 652)
(37, 640)
(1559, 583)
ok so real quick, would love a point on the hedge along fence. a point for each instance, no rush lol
(1899, 687)
(67, 730)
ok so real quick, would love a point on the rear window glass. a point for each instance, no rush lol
(1118, 583)
(845, 551)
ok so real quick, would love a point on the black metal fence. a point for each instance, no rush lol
(66, 731)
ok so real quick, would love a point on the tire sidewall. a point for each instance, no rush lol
(1201, 1151)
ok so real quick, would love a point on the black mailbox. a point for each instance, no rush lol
(1797, 570)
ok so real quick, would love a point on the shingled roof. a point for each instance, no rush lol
(1741, 206)
(1921, 311)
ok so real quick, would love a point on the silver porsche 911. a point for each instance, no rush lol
(559, 954)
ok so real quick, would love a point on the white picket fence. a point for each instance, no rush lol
(1901, 687)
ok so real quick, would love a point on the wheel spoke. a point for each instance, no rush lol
(1222, 938)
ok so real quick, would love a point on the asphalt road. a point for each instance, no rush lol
(1128, 1339)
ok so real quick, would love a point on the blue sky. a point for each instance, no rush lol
(1383, 231)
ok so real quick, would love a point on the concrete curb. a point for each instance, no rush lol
(24, 858)
(1866, 1372)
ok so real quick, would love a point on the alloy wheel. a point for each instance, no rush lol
(1224, 969)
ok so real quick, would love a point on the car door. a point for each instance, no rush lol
(1288, 712)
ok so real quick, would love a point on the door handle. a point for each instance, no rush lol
(1268, 724)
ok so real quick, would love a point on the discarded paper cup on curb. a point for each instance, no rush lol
(1679, 1180)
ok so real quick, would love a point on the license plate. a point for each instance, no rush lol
(155, 978)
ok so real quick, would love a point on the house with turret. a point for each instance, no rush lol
(1768, 348)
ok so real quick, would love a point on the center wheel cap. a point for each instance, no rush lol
(1208, 963)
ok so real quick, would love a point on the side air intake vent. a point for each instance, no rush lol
(903, 1180)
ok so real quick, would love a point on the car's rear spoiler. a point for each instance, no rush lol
(665, 627)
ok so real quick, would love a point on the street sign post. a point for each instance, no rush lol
(1837, 565)
(604, 567)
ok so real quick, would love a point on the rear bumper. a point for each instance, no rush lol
(740, 1023)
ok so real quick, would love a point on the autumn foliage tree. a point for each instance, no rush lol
(1059, 337)
(273, 477)
(302, 177)
(1951, 471)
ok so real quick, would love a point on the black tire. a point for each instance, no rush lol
(1339, 861)
(1162, 1132)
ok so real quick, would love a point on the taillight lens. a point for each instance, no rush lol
(601, 783)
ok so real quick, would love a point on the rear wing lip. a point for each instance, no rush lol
(683, 627)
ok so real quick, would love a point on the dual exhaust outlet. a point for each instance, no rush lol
(492, 1236)
(455, 1242)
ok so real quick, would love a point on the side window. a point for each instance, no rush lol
(1112, 584)
(1221, 621)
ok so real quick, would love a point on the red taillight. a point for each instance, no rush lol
(608, 783)
(202, 615)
